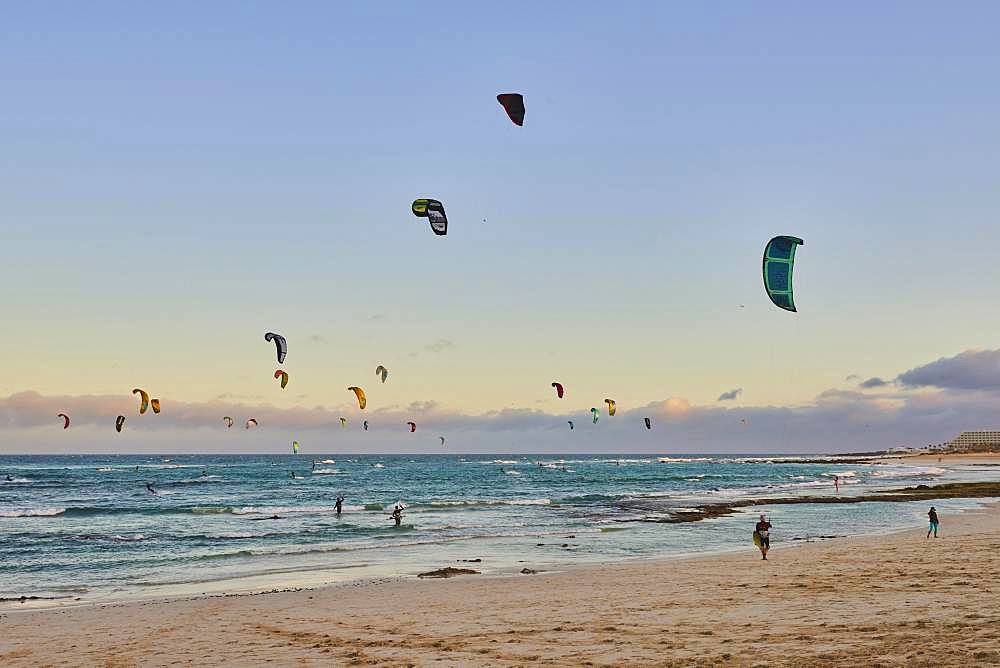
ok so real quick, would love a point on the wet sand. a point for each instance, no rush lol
(892, 600)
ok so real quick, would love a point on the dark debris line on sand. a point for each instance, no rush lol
(955, 490)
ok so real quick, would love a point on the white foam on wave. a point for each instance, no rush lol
(326, 471)
(624, 461)
(277, 510)
(36, 512)
(682, 460)
(493, 502)
(914, 472)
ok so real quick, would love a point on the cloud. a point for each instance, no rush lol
(439, 346)
(730, 395)
(852, 378)
(971, 370)
(230, 396)
(873, 382)
(836, 420)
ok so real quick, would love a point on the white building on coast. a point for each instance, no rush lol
(975, 441)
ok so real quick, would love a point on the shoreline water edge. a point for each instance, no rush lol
(857, 600)
(112, 540)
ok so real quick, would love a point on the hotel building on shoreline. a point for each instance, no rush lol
(975, 441)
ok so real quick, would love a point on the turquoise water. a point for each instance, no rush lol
(86, 527)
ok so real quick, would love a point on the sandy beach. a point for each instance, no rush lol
(890, 600)
(972, 458)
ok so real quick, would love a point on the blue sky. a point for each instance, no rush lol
(175, 181)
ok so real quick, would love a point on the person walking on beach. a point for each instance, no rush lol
(836, 483)
(932, 516)
(340, 502)
(762, 537)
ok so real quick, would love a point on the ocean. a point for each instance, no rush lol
(86, 528)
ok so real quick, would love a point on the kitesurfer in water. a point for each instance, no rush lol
(291, 474)
(932, 516)
(397, 512)
(149, 488)
(9, 479)
(340, 502)
(762, 530)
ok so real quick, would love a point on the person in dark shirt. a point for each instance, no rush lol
(397, 512)
(932, 516)
(762, 531)
(339, 505)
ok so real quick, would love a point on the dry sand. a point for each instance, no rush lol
(894, 600)
(970, 458)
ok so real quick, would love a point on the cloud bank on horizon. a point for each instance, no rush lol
(935, 401)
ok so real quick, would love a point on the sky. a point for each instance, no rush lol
(177, 181)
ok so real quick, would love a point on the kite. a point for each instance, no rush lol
(779, 257)
(155, 405)
(65, 420)
(365, 424)
(649, 425)
(360, 394)
(295, 447)
(611, 406)
(279, 343)
(433, 211)
(229, 422)
(413, 426)
(571, 427)
(513, 104)
(596, 413)
(143, 400)
(119, 423)
(381, 372)
(442, 439)
(247, 426)
(283, 375)
(559, 389)
(343, 422)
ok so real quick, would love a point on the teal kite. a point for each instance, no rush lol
(779, 257)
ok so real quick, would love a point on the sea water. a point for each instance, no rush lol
(86, 527)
